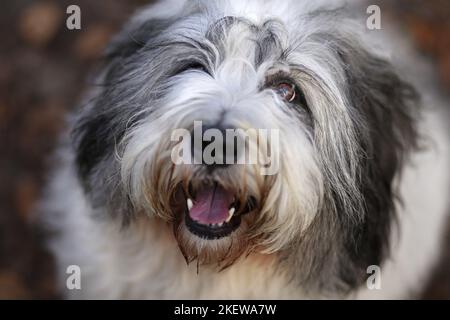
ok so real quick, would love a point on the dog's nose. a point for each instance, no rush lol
(216, 147)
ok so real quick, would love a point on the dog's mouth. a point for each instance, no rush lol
(213, 212)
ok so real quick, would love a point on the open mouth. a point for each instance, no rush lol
(213, 212)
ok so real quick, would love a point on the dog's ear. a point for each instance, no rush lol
(97, 129)
(112, 107)
(342, 241)
(387, 109)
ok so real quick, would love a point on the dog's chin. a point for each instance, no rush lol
(212, 222)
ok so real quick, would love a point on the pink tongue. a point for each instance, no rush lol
(211, 205)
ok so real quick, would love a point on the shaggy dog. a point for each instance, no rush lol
(361, 171)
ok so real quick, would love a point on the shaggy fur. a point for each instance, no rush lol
(356, 170)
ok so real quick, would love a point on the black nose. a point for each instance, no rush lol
(216, 147)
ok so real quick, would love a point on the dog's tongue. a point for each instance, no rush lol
(211, 205)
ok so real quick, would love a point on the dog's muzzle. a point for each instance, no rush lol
(212, 210)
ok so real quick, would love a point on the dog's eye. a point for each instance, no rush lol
(287, 91)
(192, 66)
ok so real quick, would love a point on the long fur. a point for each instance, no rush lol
(329, 213)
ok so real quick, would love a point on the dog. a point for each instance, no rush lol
(359, 192)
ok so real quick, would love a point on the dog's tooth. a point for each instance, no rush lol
(230, 214)
(189, 204)
(220, 224)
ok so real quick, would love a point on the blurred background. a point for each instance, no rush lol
(43, 70)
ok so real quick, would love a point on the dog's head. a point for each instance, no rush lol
(336, 122)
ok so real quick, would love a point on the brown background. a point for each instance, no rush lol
(43, 69)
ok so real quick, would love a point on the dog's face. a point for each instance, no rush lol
(342, 121)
